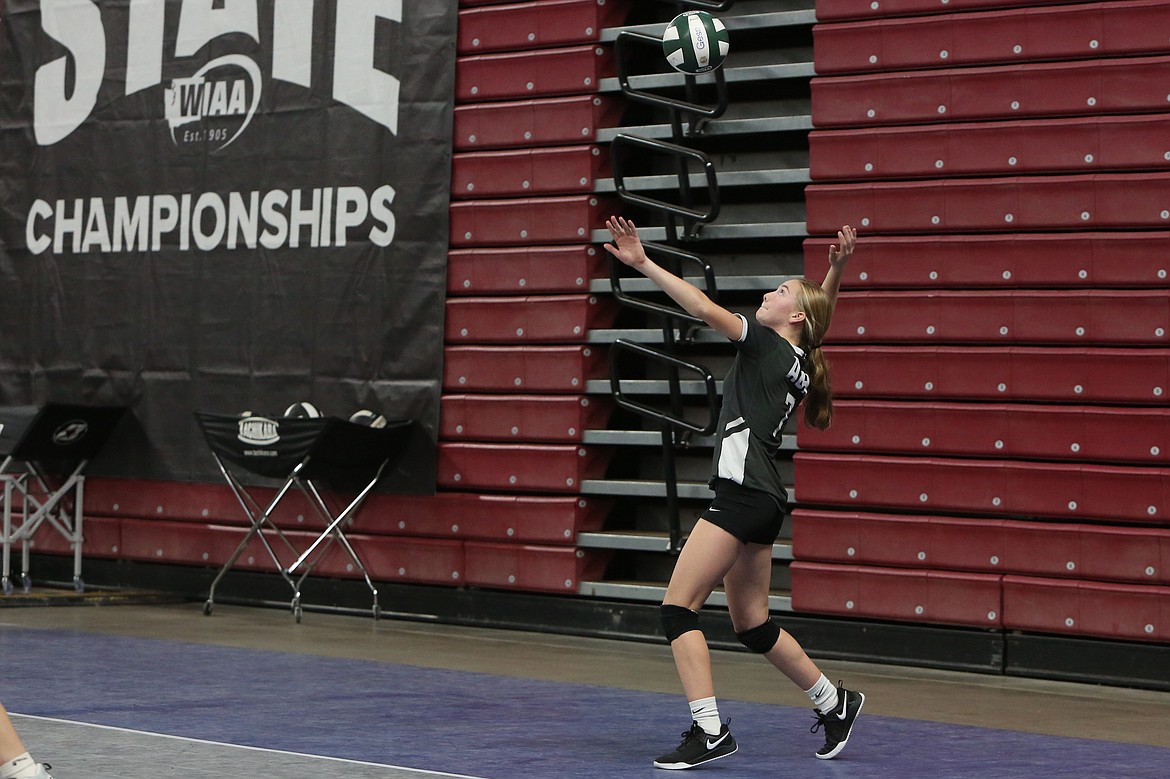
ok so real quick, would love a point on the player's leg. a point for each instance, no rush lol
(707, 555)
(747, 585)
(15, 762)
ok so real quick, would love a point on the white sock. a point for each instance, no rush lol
(823, 695)
(19, 767)
(706, 712)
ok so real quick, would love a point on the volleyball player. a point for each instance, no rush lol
(778, 364)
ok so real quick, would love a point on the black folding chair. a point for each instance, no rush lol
(300, 452)
(45, 452)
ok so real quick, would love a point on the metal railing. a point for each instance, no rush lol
(675, 427)
(702, 112)
(702, 5)
(624, 145)
(670, 422)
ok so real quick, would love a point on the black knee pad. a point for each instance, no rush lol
(677, 620)
(761, 638)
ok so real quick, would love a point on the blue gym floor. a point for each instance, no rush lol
(136, 705)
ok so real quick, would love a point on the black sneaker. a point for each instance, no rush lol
(838, 723)
(698, 747)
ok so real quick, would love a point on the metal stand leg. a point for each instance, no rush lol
(258, 522)
(333, 532)
(55, 510)
(5, 579)
(78, 536)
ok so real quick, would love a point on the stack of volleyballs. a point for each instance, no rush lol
(695, 42)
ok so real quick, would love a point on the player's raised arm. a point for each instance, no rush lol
(627, 247)
(838, 256)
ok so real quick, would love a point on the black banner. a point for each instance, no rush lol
(224, 205)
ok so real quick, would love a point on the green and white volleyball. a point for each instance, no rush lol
(695, 42)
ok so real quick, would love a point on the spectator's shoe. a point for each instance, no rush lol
(698, 747)
(838, 723)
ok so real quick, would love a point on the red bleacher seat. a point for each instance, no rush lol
(1015, 373)
(1091, 260)
(536, 519)
(416, 560)
(1136, 555)
(534, 568)
(832, 10)
(1042, 549)
(533, 319)
(995, 37)
(888, 593)
(518, 467)
(425, 560)
(102, 538)
(524, 269)
(573, 70)
(1092, 202)
(535, 24)
(991, 148)
(531, 123)
(1100, 317)
(527, 221)
(1017, 430)
(1119, 611)
(995, 487)
(926, 542)
(193, 543)
(140, 499)
(525, 369)
(535, 418)
(1122, 86)
(552, 171)
(1125, 554)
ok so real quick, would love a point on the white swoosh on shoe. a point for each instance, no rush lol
(719, 741)
(844, 706)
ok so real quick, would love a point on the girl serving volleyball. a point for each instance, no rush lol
(778, 364)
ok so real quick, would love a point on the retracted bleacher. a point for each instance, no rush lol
(1000, 350)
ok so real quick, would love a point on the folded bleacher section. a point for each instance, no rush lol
(1000, 454)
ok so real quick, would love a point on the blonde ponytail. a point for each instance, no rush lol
(818, 310)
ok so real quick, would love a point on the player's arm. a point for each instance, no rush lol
(627, 247)
(838, 256)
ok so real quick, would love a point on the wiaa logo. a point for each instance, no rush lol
(214, 106)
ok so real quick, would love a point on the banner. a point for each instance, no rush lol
(225, 206)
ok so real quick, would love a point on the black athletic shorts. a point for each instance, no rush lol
(752, 516)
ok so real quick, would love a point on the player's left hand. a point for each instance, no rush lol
(840, 251)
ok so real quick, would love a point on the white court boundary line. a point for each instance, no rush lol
(241, 746)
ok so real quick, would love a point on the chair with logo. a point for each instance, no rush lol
(304, 453)
(45, 453)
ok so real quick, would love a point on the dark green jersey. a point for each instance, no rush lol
(766, 382)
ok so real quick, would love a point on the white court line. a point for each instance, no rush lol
(243, 746)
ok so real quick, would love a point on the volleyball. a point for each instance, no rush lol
(304, 409)
(695, 42)
(368, 418)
